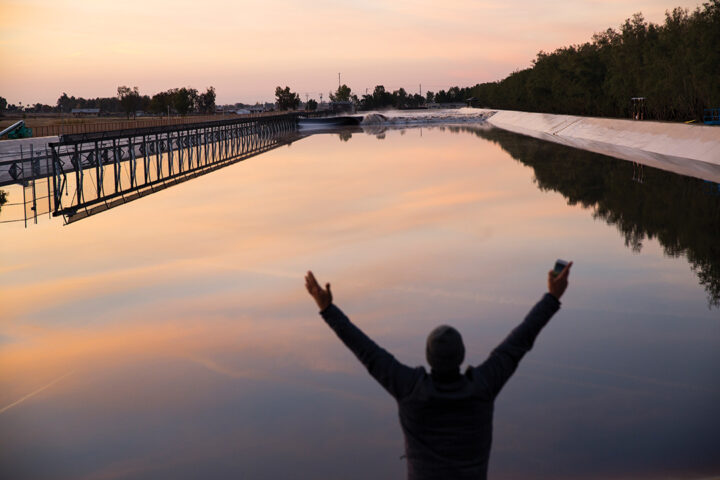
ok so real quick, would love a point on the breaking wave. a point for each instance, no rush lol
(426, 117)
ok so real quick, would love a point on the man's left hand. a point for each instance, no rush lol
(323, 298)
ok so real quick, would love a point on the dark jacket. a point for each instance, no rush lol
(447, 422)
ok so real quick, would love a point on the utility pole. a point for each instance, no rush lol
(338, 80)
(421, 89)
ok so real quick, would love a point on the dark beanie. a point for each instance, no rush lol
(445, 350)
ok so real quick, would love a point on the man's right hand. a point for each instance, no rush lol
(558, 283)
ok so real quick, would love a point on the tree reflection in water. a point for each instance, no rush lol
(682, 213)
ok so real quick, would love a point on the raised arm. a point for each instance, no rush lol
(503, 361)
(396, 378)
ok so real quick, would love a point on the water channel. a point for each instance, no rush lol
(171, 337)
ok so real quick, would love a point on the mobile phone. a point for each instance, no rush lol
(559, 266)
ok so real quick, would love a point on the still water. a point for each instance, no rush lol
(172, 337)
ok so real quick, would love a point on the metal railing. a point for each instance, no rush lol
(73, 126)
(86, 173)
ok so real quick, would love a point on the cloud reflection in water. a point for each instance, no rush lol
(197, 353)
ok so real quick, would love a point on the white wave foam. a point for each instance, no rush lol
(424, 117)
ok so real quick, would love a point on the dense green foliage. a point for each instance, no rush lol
(642, 202)
(675, 66)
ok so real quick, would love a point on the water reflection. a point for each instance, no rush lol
(682, 213)
(172, 338)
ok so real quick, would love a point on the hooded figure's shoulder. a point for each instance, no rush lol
(474, 376)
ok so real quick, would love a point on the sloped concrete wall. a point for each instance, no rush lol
(692, 150)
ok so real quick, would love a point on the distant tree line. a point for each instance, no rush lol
(128, 100)
(381, 98)
(401, 99)
(19, 108)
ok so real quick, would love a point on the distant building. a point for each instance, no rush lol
(85, 111)
(262, 107)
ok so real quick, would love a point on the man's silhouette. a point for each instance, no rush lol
(446, 416)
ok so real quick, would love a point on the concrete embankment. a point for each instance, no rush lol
(692, 150)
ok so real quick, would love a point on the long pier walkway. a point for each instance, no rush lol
(80, 175)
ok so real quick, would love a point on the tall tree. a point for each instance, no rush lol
(342, 94)
(65, 103)
(161, 102)
(286, 100)
(400, 98)
(184, 100)
(206, 101)
(129, 99)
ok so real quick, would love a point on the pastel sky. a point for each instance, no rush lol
(245, 48)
